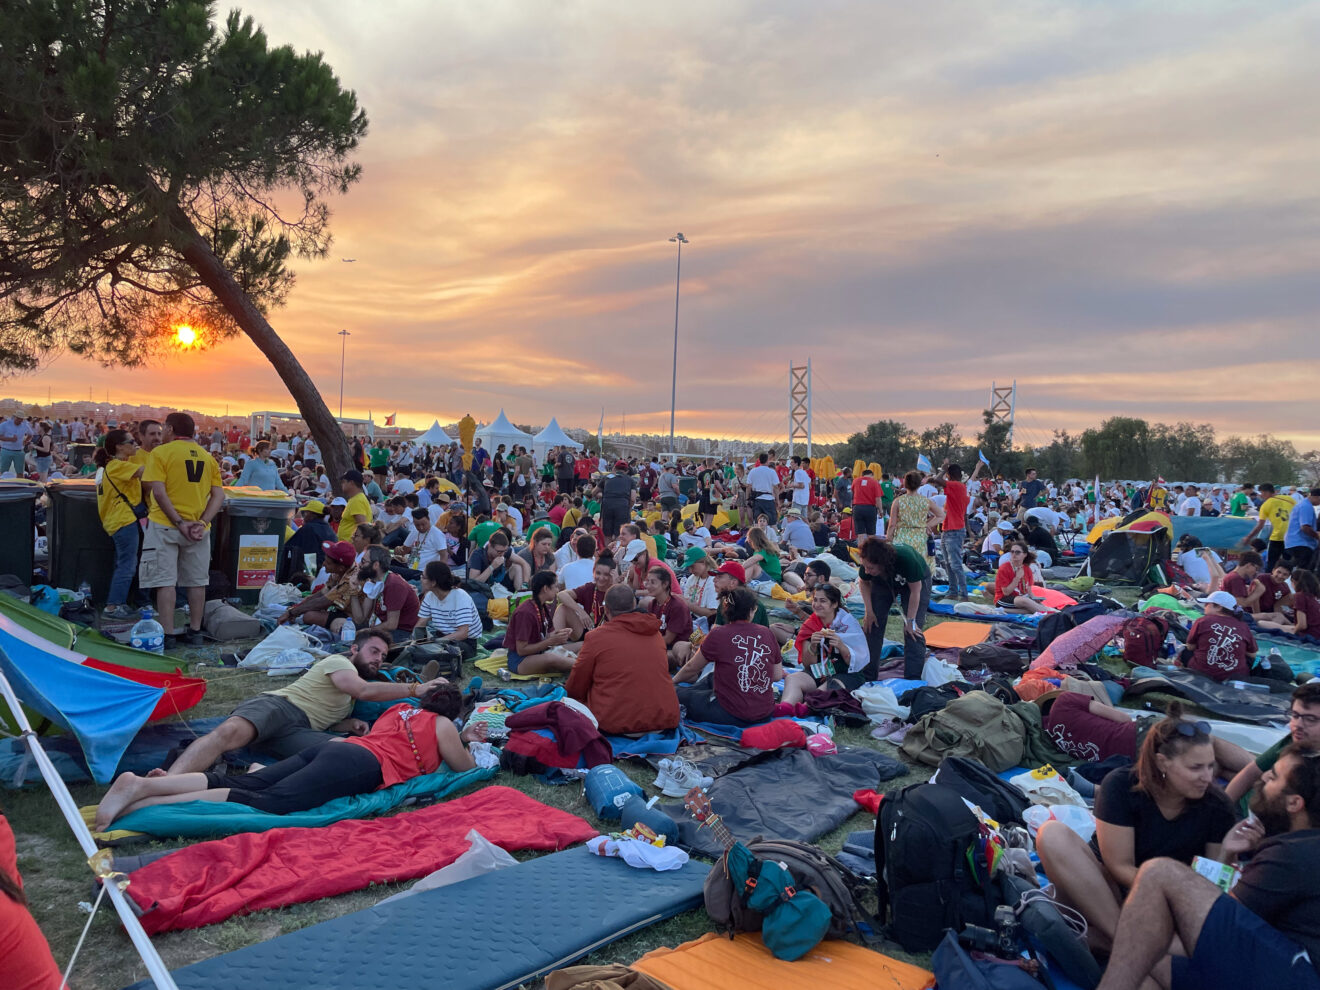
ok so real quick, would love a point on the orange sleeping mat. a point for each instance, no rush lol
(956, 634)
(744, 963)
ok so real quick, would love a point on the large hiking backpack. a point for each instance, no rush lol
(975, 725)
(926, 882)
(997, 798)
(1143, 639)
(1055, 624)
(812, 870)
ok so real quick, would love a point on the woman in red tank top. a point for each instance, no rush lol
(404, 743)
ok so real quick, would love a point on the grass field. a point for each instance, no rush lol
(57, 878)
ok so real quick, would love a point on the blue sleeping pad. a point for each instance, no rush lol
(492, 932)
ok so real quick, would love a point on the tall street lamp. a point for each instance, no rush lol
(680, 240)
(343, 351)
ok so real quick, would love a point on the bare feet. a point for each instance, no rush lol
(124, 791)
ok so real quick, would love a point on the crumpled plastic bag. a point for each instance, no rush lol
(879, 702)
(937, 672)
(1046, 786)
(1080, 820)
(483, 856)
(288, 662)
(283, 638)
(278, 594)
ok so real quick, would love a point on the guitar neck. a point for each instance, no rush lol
(722, 835)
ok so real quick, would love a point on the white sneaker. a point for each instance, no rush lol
(662, 774)
(680, 777)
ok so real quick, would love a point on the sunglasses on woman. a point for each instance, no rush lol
(1191, 729)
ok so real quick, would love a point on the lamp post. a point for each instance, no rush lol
(680, 240)
(343, 351)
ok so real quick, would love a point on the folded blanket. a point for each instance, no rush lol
(211, 881)
(653, 743)
(201, 819)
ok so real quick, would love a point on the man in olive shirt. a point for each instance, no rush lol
(186, 494)
(288, 720)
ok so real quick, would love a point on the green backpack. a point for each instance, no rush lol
(974, 725)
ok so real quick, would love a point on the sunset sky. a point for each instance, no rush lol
(1114, 203)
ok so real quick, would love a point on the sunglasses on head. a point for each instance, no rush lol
(1191, 729)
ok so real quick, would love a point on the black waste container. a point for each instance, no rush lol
(687, 486)
(18, 511)
(249, 538)
(80, 548)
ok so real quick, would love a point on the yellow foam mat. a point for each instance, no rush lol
(745, 963)
(494, 663)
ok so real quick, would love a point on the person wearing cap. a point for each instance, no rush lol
(729, 576)
(636, 562)
(310, 538)
(698, 588)
(357, 509)
(796, 533)
(1219, 645)
(617, 490)
(507, 515)
(993, 544)
(285, 721)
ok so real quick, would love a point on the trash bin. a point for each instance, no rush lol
(249, 538)
(18, 512)
(687, 486)
(80, 548)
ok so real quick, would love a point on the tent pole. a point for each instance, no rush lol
(156, 968)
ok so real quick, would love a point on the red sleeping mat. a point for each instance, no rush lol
(211, 881)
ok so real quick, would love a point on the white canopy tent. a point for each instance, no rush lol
(435, 436)
(552, 436)
(501, 431)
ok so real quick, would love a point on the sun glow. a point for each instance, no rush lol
(185, 336)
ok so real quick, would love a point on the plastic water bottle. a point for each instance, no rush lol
(1170, 645)
(348, 631)
(147, 634)
(1270, 657)
(85, 591)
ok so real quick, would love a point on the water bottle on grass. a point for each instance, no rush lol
(147, 634)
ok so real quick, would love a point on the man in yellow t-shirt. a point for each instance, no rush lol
(358, 509)
(186, 491)
(150, 435)
(1274, 512)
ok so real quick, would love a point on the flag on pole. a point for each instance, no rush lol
(389, 420)
(923, 463)
(1096, 514)
(982, 458)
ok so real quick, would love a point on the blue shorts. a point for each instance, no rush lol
(513, 662)
(1237, 948)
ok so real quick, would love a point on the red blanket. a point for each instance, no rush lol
(211, 881)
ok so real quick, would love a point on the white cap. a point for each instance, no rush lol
(1221, 598)
(339, 501)
(634, 548)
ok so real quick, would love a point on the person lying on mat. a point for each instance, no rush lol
(287, 720)
(1179, 930)
(1166, 804)
(404, 743)
(745, 663)
(1013, 581)
(622, 672)
(533, 644)
(1086, 728)
(831, 648)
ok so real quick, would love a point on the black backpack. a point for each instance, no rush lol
(997, 798)
(1057, 623)
(924, 877)
(998, 659)
(927, 699)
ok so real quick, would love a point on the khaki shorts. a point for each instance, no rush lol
(171, 560)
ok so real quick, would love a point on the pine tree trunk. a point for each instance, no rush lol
(335, 449)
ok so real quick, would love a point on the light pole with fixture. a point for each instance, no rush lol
(680, 240)
(343, 351)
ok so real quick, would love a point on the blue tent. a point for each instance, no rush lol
(102, 711)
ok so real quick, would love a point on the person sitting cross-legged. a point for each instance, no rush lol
(745, 664)
(1179, 930)
(622, 673)
(534, 646)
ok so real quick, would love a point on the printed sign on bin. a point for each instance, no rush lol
(257, 560)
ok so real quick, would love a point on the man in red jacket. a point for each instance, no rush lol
(622, 672)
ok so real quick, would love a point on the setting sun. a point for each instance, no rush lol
(185, 335)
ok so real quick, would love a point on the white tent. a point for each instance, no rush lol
(552, 436)
(435, 436)
(502, 432)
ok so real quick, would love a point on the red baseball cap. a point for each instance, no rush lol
(733, 569)
(341, 552)
(621, 465)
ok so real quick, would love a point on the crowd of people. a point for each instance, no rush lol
(644, 583)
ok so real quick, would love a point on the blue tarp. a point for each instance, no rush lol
(104, 712)
(1223, 532)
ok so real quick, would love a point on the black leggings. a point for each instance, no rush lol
(305, 780)
(700, 705)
